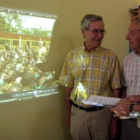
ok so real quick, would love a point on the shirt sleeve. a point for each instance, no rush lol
(123, 80)
(115, 79)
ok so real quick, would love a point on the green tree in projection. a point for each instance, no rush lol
(39, 32)
(10, 22)
(36, 32)
(2, 23)
(14, 23)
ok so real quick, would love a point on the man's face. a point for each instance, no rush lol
(94, 35)
(133, 36)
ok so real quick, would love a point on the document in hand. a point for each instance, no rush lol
(101, 100)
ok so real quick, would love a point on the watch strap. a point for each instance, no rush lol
(131, 107)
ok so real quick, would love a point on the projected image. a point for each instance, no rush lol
(25, 39)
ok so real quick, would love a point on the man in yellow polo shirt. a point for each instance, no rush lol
(90, 70)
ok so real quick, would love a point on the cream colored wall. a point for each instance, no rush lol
(42, 119)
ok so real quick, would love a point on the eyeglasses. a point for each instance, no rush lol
(96, 32)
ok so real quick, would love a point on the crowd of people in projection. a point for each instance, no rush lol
(18, 70)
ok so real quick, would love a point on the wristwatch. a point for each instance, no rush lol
(131, 107)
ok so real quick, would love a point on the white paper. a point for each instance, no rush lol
(101, 100)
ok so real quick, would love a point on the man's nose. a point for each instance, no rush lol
(127, 37)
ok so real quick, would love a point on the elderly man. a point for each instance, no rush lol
(90, 70)
(131, 72)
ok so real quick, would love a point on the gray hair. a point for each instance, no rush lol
(89, 18)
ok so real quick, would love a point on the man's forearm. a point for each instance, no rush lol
(123, 94)
(67, 100)
(116, 92)
(68, 103)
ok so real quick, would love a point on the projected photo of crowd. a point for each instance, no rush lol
(25, 39)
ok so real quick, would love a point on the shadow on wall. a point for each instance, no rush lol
(58, 51)
(61, 45)
(64, 45)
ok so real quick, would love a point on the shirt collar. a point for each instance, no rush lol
(92, 49)
(136, 53)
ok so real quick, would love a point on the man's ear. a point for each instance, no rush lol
(139, 27)
(83, 32)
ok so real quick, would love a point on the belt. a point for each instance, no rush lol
(94, 108)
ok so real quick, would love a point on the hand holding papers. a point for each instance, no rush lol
(106, 101)
(103, 101)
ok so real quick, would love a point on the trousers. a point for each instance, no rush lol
(92, 125)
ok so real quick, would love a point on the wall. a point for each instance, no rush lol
(43, 118)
